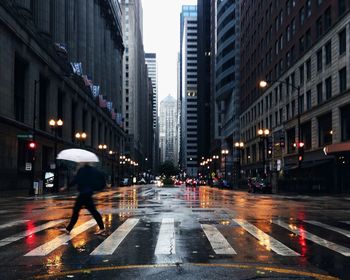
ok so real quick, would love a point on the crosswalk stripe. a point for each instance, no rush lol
(266, 240)
(108, 246)
(217, 240)
(336, 229)
(29, 232)
(346, 222)
(48, 247)
(166, 239)
(13, 223)
(314, 238)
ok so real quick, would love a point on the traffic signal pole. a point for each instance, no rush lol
(31, 187)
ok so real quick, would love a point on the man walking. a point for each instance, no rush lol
(86, 177)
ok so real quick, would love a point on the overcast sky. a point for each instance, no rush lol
(161, 31)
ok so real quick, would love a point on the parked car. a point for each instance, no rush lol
(191, 182)
(260, 185)
(125, 182)
(142, 181)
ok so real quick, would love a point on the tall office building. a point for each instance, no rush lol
(135, 80)
(39, 41)
(188, 81)
(227, 76)
(205, 98)
(151, 62)
(302, 49)
(167, 129)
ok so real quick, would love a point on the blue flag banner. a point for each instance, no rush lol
(77, 68)
(95, 90)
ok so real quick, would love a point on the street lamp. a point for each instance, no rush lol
(80, 137)
(55, 125)
(239, 146)
(264, 84)
(102, 148)
(264, 134)
(225, 152)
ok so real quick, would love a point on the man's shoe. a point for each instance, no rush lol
(65, 230)
(100, 232)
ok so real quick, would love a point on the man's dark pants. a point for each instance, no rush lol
(87, 201)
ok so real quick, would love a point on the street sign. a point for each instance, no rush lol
(25, 136)
(28, 166)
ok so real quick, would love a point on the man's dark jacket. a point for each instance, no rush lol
(87, 179)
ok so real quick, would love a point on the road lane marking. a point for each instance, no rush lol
(166, 239)
(281, 271)
(29, 232)
(108, 246)
(314, 238)
(269, 242)
(50, 246)
(13, 223)
(217, 240)
(336, 229)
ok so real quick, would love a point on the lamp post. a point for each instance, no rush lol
(55, 125)
(239, 146)
(224, 153)
(264, 134)
(80, 137)
(299, 143)
(122, 163)
(102, 148)
(112, 155)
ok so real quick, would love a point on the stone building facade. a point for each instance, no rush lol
(310, 83)
(39, 39)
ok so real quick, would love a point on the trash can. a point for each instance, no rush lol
(36, 187)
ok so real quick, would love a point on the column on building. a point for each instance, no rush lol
(336, 125)
(97, 43)
(314, 133)
(71, 36)
(42, 15)
(58, 24)
(90, 35)
(82, 32)
(23, 4)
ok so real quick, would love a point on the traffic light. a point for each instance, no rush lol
(301, 151)
(31, 145)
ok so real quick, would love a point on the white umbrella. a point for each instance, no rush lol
(77, 155)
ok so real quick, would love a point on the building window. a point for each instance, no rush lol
(342, 41)
(308, 8)
(308, 100)
(325, 130)
(43, 93)
(319, 93)
(345, 123)
(308, 39)
(305, 131)
(327, 18)
(319, 27)
(290, 140)
(301, 44)
(328, 50)
(293, 26)
(308, 69)
(341, 7)
(301, 74)
(19, 88)
(301, 103)
(342, 80)
(328, 83)
(302, 16)
(319, 59)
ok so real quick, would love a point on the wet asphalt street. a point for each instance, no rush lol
(177, 233)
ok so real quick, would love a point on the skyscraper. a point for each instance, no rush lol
(188, 83)
(151, 62)
(167, 129)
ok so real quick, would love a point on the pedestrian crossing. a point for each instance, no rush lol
(167, 236)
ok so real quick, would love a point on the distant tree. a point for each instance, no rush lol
(168, 169)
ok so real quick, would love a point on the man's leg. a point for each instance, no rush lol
(89, 204)
(77, 206)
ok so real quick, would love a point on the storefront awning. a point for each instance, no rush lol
(337, 148)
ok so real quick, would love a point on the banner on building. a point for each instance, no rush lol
(109, 105)
(95, 90)
(87, 80)
(61, 47)
(77, 68)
